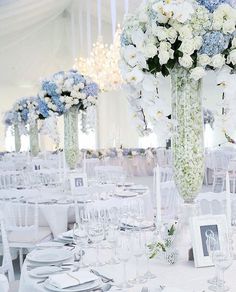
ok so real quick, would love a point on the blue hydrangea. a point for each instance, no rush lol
(214, 42)
(124, 41)
(60, 105)
(43, 108)
(78, 78)
(50, 87)
(212, 5)
(10, 118)
(91, 89)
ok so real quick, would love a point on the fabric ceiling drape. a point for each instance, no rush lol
(19, 19)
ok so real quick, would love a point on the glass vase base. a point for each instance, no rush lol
(214, 288)
(148, 275)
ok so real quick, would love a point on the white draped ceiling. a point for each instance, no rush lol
(38, 38)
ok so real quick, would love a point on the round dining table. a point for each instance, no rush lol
(181, 276)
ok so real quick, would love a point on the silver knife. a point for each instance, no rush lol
(102, 276)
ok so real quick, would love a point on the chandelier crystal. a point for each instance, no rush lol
(103, 63)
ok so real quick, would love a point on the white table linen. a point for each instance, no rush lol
(182, 275)
(57, 216)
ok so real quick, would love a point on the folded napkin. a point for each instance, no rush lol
(70, 279)
(68, 234)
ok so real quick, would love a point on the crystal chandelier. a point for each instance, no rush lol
(102, 64)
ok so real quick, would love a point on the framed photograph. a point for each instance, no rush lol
(203, 227)
(78, 181)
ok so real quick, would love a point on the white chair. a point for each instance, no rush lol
(211, 203)
(171, 201)
(7, 267)
(220, 162)
(4, 285)
(110, 173)
(22, 225)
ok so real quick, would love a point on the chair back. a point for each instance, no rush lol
(7, 266)
(110, 173)
(211, 203)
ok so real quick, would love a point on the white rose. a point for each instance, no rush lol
(218, 61)
(185, 32)
(62, 99)
(150, 50)
(234, 43)
(171, 34)
(197, 42)
(164, 57)
(165, 46)
(217, 23)
(186, 61)
(161, 33)
(197, 73)
(204, 60)
(54, 107)
(232, 57)
(187, 47)
(229, 26)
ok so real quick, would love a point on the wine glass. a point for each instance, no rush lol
(212, 244)
(96, 235)
(138, 247)
(80, 236)
(124, 253)
(223, 259)
(148, 275)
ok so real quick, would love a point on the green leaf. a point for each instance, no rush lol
(171, 63)
(165, 72)
(171, 231)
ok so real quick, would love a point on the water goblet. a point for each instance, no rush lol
(96, 235)
(80, 237)
(124, 253)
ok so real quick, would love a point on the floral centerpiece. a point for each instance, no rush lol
(183, 39)
(11, 119)
(68, 93)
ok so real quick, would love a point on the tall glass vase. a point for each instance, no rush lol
(34, 139)
(71, 137)
(187, 140)
(17, 138)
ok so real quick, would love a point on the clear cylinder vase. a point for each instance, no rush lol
(34, 139)
(71, 137)
(17, 138)
(187, 140)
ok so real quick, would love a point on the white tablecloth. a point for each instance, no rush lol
(58, 216)
(182, 275)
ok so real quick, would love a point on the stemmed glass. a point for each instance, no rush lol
(96, 235)
(112, 235)
(124, 253)
(212, 243)
(138, 247)
(223, 259)
(148, 275)
(80, 236)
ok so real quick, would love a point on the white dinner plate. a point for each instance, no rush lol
(126, 194)
(65, 239)
(172, 289)
(50, 244)
(79, 288)
(44, 271)
(50, 255)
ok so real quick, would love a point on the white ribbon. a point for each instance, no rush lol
(126, 6)
(113, 17)
(89, 26)
(99, 17)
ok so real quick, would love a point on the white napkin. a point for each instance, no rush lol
(68, 234)
(71, 279)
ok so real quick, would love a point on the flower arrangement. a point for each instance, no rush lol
(164, 247)
(197, 35)
(64, 90)
(10, 118)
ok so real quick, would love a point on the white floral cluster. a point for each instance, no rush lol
(225, 114)
(64, 90)
(163, 34)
